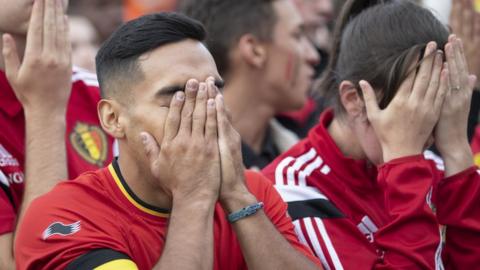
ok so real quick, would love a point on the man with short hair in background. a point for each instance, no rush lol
(263, 53)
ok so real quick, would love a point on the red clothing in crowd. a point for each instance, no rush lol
(355, 216)
(97, 221)
(88, 147)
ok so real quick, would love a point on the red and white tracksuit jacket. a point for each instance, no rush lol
(354, 215)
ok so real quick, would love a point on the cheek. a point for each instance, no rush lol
(291, 67)
(372, 147)
(151, 121)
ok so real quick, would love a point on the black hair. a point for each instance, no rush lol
(378, 41)
(117, 59)
(227, 20)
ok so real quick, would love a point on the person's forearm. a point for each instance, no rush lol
(45, 153)
(262, 245)
(189, 243)
(458, 158)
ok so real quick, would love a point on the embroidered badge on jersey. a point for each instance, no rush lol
(90, 142)
(58, 228)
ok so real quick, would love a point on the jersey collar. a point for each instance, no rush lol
(120, 182)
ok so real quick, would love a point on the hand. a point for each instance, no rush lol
(187, 163)
(451, 131)
(42, 81)
(404, 127)
(234, 194)
(465, 23)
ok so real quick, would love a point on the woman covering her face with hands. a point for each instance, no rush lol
(360, 191)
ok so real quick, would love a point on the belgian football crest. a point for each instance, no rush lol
(90, 142)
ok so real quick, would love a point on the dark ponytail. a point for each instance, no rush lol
(378, 41)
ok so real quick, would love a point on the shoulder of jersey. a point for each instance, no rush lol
(85, 76)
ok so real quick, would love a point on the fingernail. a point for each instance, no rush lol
(180, 96)
(211, 103)
(191, 84)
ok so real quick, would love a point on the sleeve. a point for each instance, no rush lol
(458, 208)
(276, 210)
(410, 239)
(7, 212)
(57, 230)
(103, 259)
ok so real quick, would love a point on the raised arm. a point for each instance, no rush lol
(410, 239)
(458, 195)
(42, 83)
(187, 166)
(263, 242)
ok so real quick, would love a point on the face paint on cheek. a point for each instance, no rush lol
(292, 69)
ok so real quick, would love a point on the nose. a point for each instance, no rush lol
(311, 55)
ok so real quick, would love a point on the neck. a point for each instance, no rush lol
(20, 41)
(345, 139)
(141, 182)
(250, 115)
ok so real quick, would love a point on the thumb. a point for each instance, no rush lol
(371, 103)
(10, 54)
(150, 147)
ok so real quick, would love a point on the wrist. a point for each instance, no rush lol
(199, 202)
(42, 114)
(391, 154)
(457, 159)
(237, 200)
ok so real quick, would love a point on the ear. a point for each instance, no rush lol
(351, 100)
(109, 112)
(252, 51)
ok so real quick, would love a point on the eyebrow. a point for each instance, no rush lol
(172, 89)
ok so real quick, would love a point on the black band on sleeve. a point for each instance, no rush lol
(95, 258)
(313, 208)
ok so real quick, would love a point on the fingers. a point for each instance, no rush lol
(452, 66)
(10, 55)
(211, 124)
(150, 147)
(200, 111)
(433, 87)
(422, 79)
(472, 81)
(34, 43)
(61, 23)
(172, 121)
(371, 103)
(212, 88)
(222, 117)
(191, 93)
(50, 26)
(443, 90)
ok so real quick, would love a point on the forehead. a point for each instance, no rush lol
(287, 14)
(177, 62)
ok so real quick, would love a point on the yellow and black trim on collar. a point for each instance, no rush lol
(114, 170)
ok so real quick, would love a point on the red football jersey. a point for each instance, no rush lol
(87, 145)
(357, 216)
(96, 220)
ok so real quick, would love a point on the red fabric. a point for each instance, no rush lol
(395, 200)
(82, 109)
(109, 220)
(459, 210)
